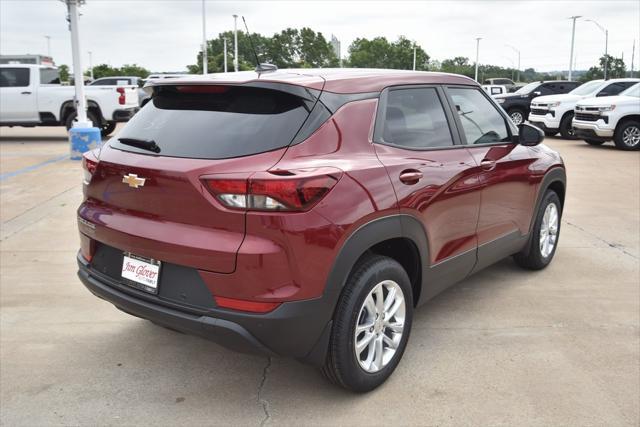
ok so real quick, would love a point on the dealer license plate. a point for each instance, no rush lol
(142, 273)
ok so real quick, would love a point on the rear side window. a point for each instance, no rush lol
(14, 77)
(216, 122)
(481, 121)
(415, 118)
(49, 76)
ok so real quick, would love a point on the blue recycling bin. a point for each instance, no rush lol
(83, 140)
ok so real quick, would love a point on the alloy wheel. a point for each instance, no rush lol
(549, 230)
(516, 117)
(380, 326)
(631, 136)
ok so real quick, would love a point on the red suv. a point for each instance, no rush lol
(307, 213)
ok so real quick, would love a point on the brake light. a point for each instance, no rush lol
(273, 193)
(202, 89)
(244, 305)
(122, 97)
(89, 166)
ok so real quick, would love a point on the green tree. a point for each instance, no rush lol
(380, 53)
(63, 70)
(615, 68)
(314, 50)
(133, 70)
(104, 70)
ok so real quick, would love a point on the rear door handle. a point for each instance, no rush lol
(410, 176)
(488, 165)
(25, 93)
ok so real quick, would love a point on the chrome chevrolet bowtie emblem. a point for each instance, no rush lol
(132, 180)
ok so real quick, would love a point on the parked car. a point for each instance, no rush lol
(501, 81)
(143, 96)
(495, 90)
(554, 113)
(517, 104)
(31, 95)
(617, 118)
(255, 210)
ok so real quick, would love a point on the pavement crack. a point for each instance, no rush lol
(264, 402)
(612, 245)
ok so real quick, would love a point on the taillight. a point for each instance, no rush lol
(87, 247)
(273, 193)
(244, 305)
(122, 97)
(89, 166)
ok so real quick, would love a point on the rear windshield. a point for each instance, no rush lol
(215, 122)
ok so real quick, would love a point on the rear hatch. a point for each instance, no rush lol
(146, 195)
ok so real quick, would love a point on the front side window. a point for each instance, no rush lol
(528, 88)
(615, 88)
(481, 121)
(14, 77)
(587, 88)
(104, 82)
(415, 119)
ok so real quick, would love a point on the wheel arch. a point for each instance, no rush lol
(68, 108)
(625, 119)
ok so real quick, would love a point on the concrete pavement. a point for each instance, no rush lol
(507, 346)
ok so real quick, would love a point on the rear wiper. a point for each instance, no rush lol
(141, 143)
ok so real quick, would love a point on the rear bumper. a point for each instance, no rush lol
(124, 115)
(294, 329)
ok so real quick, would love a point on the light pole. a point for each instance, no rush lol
(518, 51)
(48, 45)
(606, 46)
(477, 54)
(414, 57)
(81, 101)
(205, 61)
(90, 65)
(573, 37)
(224, 41)
(235, 43)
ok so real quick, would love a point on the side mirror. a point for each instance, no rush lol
(537, 93)
(529, 135)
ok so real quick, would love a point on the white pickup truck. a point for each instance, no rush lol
(616, 118)
(554, 113)
(31, 95)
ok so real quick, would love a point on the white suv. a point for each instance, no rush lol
(553, 113)
(598, 120)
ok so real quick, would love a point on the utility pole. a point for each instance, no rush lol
(414, 57)
(224, 41)
(205, 60)
(90, 65)
(606, 46)
(235, 43)
(48, 45)
(573, 37)
(477, 54)
(518, 52)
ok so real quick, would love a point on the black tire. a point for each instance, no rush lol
(531, 257)
(593, 142)
(90, 116)
(627, 135)
(107, 128)
(550, 133)
(566, 129)
(517, 116)
(341, 366)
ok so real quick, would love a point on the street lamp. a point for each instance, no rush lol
(508, 45)
(235, 43)
(573, 37)
(48, 45)
(224, 40)
(477, 54)
(414, 57)
(90, 65)
(205, 62)
(606, 45)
